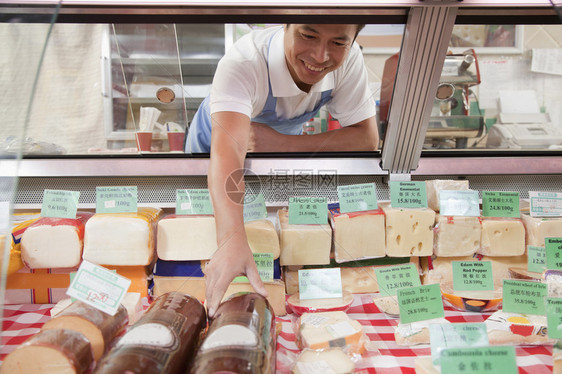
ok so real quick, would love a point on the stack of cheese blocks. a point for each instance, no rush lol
(186, 242)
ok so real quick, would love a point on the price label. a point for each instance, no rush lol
(420, 303)
(524, 297)
(455, 335)
(59, 204)
(472, 276)
(393, 278)
(553, 307)
(264, 262)
(489, 360)
(308, 211)
(500, 204)
(193, 201)
(98, 287)
(459, 203)
(408, 195)
(357, 197)
(254, 208)
(536, 258)
(553, 253)
(320, 283)
(118, 199)
(545, 204)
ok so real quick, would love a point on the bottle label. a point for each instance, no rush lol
(152, 334)
(230, 335)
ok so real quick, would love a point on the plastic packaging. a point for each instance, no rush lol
(300, 306)
(456, 235)
(331, 360)
(502, 237)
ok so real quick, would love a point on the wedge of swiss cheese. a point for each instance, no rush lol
(502, 237)
(456, 235)
(329, 329)
(539, 228)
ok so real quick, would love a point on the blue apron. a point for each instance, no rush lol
(199, 134)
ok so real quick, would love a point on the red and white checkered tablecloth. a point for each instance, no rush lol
(383, 354)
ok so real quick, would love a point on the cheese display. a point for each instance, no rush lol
(502, 237)
(262, 237)
(456, 235)
(517, 329)
(409, 232)
(539, 228)
(57, 351)
(186, 237)
(163, 340)
(432, 188)
(121, 238)
(329, 329)
(357, 235)
(98, 327)
(332, 360)
(303, 244)
(388, 305)
(54, 242)
(300, 306)
(241, 338)
(415, 332)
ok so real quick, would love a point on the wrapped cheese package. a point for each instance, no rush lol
(186, 237)
(241, 338)
(51, 352)
(98, 327)
(334, 359)
(121, 239)
(54, 242)
(433, 187)
(517, 329)
(502, 237)
(456, 235)
(539, 228)
(164, 339)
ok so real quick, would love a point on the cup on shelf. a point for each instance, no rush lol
(175, 140)
(144, 140)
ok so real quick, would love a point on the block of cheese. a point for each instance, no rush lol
(415, 332)
(54, 242)
(332, 360)
(262, 237)
(456, 235)
(186, 237)
(387, 304)
(409, 232)
(51, 352)
(432, 188)
(539, 228)
(517, 329)
(20, 223)
(329, 329)
(98, 327)
(121, 238)
(502, 237)
(357, 235)
(303, 244)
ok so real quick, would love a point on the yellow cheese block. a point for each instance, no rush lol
(456, 236)
(329, 329)
(262, 237)
(186, 237)
(502, 237)
(432, 188)
(539, 228)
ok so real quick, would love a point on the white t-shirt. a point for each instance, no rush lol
(241, 82)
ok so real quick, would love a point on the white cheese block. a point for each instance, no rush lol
(358, 235)
(122, 239)
(456, 235)
(517, 329)
(262, 237)
(432, 188)
(539, 228)
(303, 244)
(326, 361)
(502, 237)
(409, 232)
(186, 237)
(329, 329)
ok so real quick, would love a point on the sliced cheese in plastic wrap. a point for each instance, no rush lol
(502, 237)
(432, 188)
(539, 228)
(54, 242)
(357, 235)
(456, 235)
(517, 329)
(121, 238)
(186, 237)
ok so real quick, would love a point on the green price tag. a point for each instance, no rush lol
(472, 276)
(553, 253)
(456, 335)
(119, 199)
(357, 197)
(536, 258)
(459, 203)
(408, 195)
(98, 287)
(254, 208)
(320, 283)
(524, 297)
(420, 303)
(264, 262)
(193, 201)
(487, 360)
(500, 204)
(308, 210)
(393, 278)
(553, 307)
(545, 204)
(59, 204)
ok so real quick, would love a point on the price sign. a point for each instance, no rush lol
(59, 204)
(264, 262)
(536, 258)
(455, 335)
(472, 276)
(459, 203)
(320, 283)
(488, 360)
(393, 278)
(357, 197)
(545, 204)
(524, 297)
(408, 195)
(308, 211)
(254, 208)
(553, 307)
(119, 199)
(500, 204)
(553, 253)
(193, 201)
(420, 303)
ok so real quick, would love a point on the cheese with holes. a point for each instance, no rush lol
(121, 238)
(186, 237)
(432, 188)
(54, 242)
(357, 235)
(409, 232)
(262, 237)
(456, 235)
(539, 228)
(329, 329)
(502, 237)
(303, 244)
(333, 361)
